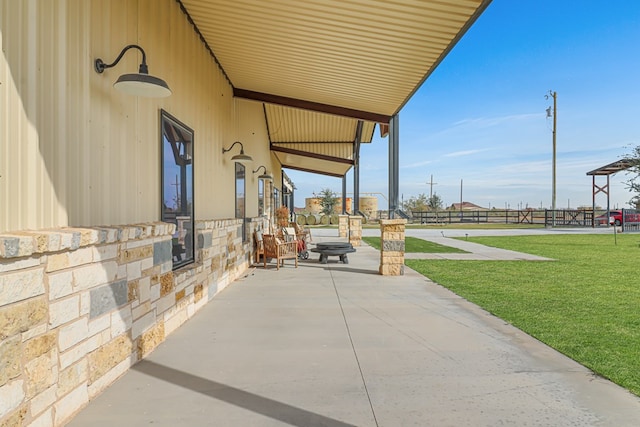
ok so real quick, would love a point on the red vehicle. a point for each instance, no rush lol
(616, 218)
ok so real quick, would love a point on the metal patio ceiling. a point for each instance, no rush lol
(342, 61)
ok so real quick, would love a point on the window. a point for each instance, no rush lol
(276, 199)
(260, 197)
(240, 199)
(177, 186)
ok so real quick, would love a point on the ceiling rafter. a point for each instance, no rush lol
(311, 155)
(310, 105)
(321, 172)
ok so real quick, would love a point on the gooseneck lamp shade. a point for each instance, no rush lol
(239, 158)
(266, 175)
(140, 84)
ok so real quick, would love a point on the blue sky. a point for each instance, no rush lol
(481, 117)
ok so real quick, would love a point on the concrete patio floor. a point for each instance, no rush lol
(339, 345)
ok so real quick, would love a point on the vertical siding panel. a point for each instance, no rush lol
(155, 43)
(75, 151)
(79, 212)
(63, 29)
(46, 114)
(5, 131)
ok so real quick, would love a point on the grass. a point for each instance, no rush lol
(461, 225)
(413, 244)
(475, 226)
(585, 304)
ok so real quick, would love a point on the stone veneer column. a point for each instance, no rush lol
(343, 225)
(355, 230)
(392, 247)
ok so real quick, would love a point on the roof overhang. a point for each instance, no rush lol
(353, 59)
(612, 168)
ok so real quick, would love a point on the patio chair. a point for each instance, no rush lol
(303, 232)
(259, 243)
(279, 250)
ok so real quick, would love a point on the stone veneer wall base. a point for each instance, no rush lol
(80, 306)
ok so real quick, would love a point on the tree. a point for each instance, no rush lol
(422, 203)
(416, 204)
(633, 183)
(435, 202)
(328, 200)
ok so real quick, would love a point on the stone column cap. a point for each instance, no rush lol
(392, 221)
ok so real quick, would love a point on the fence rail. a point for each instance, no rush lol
(562, 217)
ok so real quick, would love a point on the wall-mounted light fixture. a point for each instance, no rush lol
(140, 84)
(266, 175)
(240, 158)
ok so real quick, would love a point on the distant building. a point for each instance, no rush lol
(466, 206)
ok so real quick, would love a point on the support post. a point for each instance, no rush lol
(593, 201)
(355, 230)
(392, 247)
(344, 194)
(394, 144)
(343, 225)
(553, 192)
(356, 168)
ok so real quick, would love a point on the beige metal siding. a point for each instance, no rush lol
(27, 196)
(74, 151)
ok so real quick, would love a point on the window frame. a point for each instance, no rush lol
(240, 175)
(183, 244)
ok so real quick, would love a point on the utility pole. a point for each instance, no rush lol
(553, 95)
(431, 184)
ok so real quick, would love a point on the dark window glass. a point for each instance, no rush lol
(177, 186)
(260, 197)
(240, 193)
(276, 199)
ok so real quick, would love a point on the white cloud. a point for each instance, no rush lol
(484, 122)
(465, 152)
(417, 164)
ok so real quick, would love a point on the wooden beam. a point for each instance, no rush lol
(298, 168)
(310, 142)
(310, 105)
(311, 155)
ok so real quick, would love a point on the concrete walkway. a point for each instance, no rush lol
(475, 252)
(339, 345)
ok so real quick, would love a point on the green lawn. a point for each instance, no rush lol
(474, 226)
(456, 226)
(585, 304)
(413, 244)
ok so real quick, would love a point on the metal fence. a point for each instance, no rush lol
(547, 217)
(566, 217)
(631, 220)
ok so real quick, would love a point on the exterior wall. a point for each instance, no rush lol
(75, 151)
(80, 303)
(79, 306)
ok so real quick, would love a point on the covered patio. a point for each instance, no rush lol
(339, 345)
(122, 216)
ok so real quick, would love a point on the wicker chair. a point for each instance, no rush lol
(279, 250)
